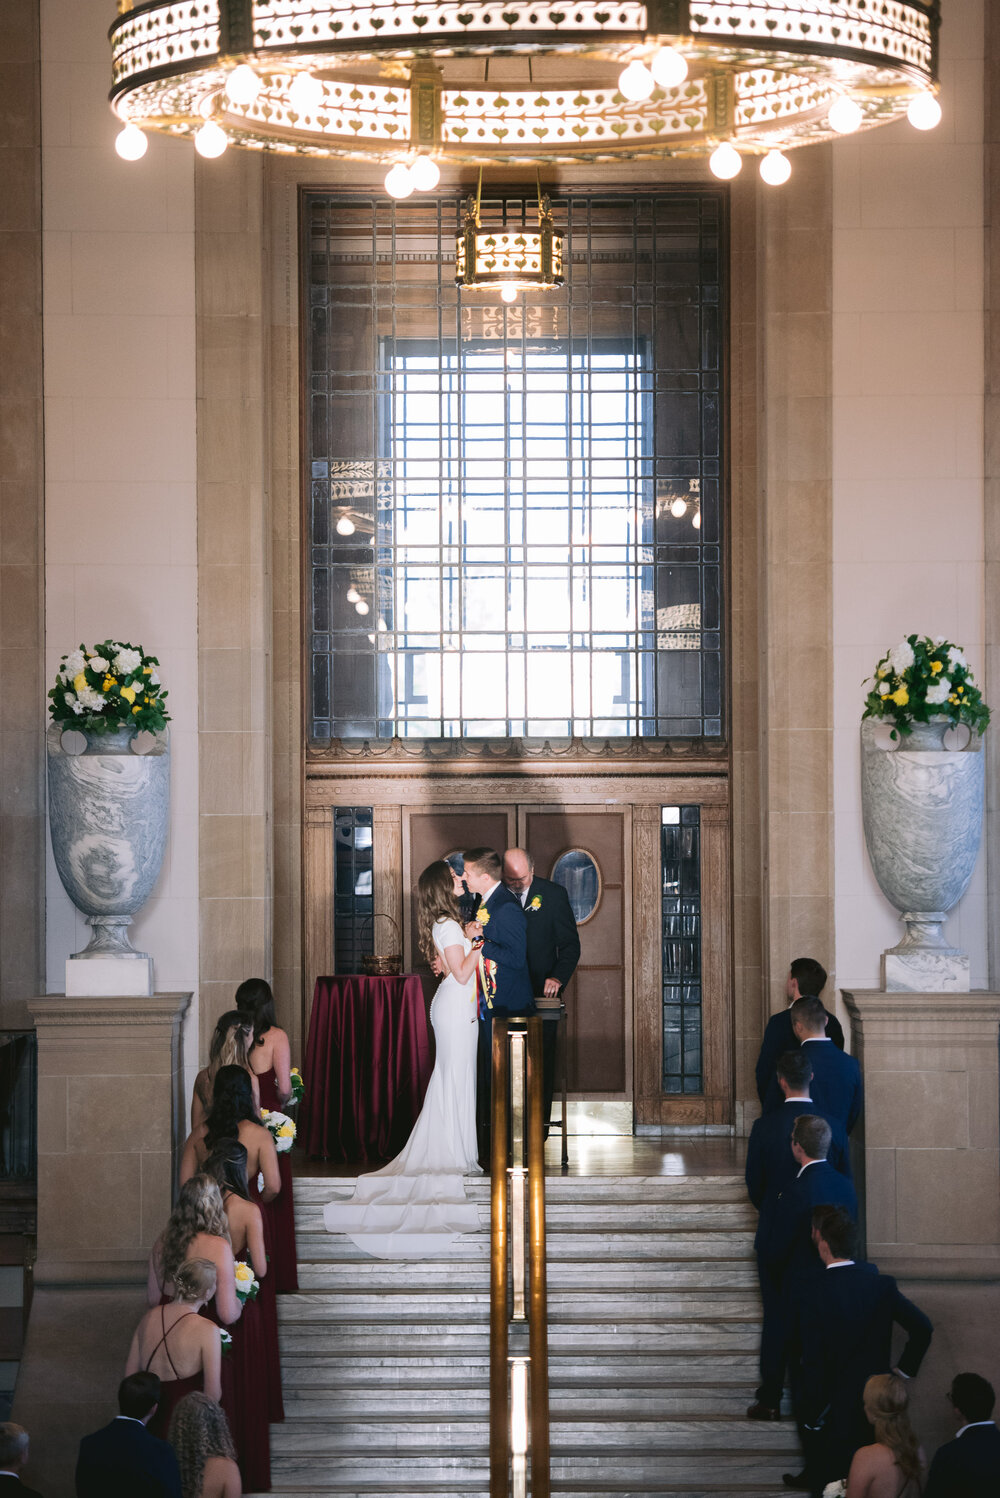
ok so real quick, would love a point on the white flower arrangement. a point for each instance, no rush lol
(113, 685)
(282, 1128)
(836, 1489)
(226, 1341)
(247, 1285)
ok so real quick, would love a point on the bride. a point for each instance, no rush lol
(415, 1207)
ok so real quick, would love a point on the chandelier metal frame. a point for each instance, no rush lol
(512, 259)
(763, 74)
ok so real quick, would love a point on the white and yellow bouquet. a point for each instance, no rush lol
(921, 680)
(281, 1126)
(298, 1086)
(112, 685)
(247, 1284)
(226, 1340)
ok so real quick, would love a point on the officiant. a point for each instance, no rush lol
(553, 950)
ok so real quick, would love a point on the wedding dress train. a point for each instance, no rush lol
(416, 1207)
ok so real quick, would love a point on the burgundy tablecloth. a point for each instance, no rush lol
(368, 1062)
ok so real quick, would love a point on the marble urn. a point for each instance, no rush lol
(108, 816)
(922, 804)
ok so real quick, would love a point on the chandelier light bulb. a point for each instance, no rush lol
(636, 82)
(725, 161)
(923, 112)
(210, 141)
(845, 116)
(131, 143)
(508, 293)
(775, 169)
(678, 507)
(305, 93)
(345, 526)
(425, 174)
(242, 85)
(669, 67)
(399, 181)
(361, 607)
(353, 595)
(696, 520)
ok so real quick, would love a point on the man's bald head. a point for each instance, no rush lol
(518, 868)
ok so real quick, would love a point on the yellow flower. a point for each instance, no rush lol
(959, 690)
(483, 916)
(79, 682)
(244, 1274)
(882, 671)
(137, 708)
(265, 1112)
(287, 1131)
(296, 1072)
(109, 682)
(147, 670)
(900, 697)
(536, 903)
(936, 666)
(128, 693)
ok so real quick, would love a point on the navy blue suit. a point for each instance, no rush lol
(835, 1087)
(553, 952)
(779, 1037)
(505, 942)
(968, 1467)
(771, 1166)
(124, 1461)
(842, 1322)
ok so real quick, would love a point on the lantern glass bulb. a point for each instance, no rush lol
(669, 67)
(845, 115)
(425, 174)
(242, 85)
(636, 82)
(353, 595)
(131, 143)
(361, 607)
(678, 508)
(305, 93)
(345, 526)
(210, 141)
(775, 168)
(399, 181)
(924, 112)
(696, 520)
(725, 161)
(508, 293)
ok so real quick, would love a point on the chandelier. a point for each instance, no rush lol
(513, 259)
(415, 82)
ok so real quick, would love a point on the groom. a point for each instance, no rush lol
(504, 967)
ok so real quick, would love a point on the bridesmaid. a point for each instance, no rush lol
(197, 1229)
(183, 1349)
(270, 1061)
(227, 1164)
(233, 1116)
(230, 1046)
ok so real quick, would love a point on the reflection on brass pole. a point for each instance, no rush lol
(518, 1161)
(499, 1421)
(538, 1332)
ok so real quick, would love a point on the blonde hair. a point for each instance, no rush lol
(435, 901)
(887, 1407)
(198, 1430)
(199, 1209)
(195, 1279)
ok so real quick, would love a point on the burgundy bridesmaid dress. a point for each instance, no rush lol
(280, 1212)
(245, 1395)
(172, 1390)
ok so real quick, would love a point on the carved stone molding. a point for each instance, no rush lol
(585, 751)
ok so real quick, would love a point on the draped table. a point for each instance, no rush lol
(367, 1065)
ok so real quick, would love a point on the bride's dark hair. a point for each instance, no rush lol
(435, 902)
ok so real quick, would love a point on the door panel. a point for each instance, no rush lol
(432, 834)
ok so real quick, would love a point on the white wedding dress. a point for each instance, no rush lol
(416, 1207)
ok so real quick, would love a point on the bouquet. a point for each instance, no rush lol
(281, 1126)
(921, 679)
(247, 1285)
(112, 686)
(298, 1086)
(226, 1340)
(836, 1489)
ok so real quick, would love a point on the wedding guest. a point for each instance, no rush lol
(836, 1083)
(842, 1319)
(205, 1451)
(270, 1061)
(806, 979)
(13, 1459)
(183, 1349)
(197, 1229)
(123, 1460)
(230, 1046)
(770, 1164)
(894, 1465)
(968, 1466)
(233, 1116)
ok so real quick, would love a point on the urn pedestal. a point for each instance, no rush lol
(922, 804)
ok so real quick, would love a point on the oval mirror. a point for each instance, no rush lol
(576, 870)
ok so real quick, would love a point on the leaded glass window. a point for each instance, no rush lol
(352, 887)
(681, 874)
(516, 511)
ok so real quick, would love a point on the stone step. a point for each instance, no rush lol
(620, 1369)
(428, 1278)
(620, 1216)
(396, 1469)
(461, 1489)
(313, 1191)
(575, 1244)
(564, 1306)
(331, 1401)
(637, 1335)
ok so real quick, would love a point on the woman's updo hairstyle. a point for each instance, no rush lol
(232, 1102)
(194, 1279)
(255, 999)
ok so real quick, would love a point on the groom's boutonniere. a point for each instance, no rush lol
(536, 903)
(482, 916)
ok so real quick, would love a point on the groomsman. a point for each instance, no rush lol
(806, 979)
(771, 1166)
(968, 1466)
(553, 948)
(836, 1084)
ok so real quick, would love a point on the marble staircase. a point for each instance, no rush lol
(653, 1332)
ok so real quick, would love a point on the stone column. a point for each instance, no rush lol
(930, 1131)
(110, 1117)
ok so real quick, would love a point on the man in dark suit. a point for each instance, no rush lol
(842, 1318)
(553, 948)
(770, 1163)
(836, 1085)
(501, 926)
(968, 1466)
(806, 979)
(786, 1252)
(13, 1460)
(123, 1460)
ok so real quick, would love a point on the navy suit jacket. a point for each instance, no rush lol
(13, 1487)
(784, 1233)
(968, 1467)
(842, 1322)
(835, 1087)
(771, 1166)
(505, 942)
(779, 1037)
(124, 1461)
(553, 940)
